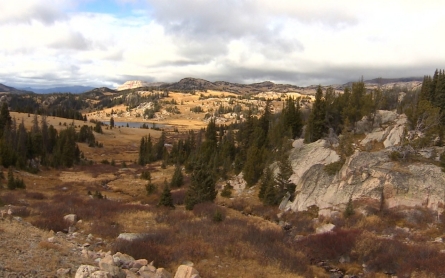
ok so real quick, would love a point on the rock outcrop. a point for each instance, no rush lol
(303, 157)
(366, 174)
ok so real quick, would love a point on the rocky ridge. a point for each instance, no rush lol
(369, 173)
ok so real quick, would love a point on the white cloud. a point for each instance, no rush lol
(300, 42)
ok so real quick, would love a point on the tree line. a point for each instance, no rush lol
(41, 145)
(260, 144)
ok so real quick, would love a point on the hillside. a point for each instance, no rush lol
(231, 184)
(64, 89)
(7, 89)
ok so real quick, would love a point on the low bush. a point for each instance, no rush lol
(393, 256)
(105, 228)
(331, 245)
(35, 195)
(334, 167)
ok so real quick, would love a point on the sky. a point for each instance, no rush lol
(48, 43)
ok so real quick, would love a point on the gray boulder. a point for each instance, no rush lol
(85, 271)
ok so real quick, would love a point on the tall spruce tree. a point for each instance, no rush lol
(166, 199)
(177, 178)
(316, 126)
(202, 187)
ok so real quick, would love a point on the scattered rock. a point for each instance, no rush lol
(130, 236)
(85, 271)
(185, 271)
(122, 259)
(63, 273)
(101, 274)
(324, 228)
(162, 273)
(71, 219)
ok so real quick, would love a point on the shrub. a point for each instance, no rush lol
(395, 156)
(334, 167)
(35, 195)
(218, 216)
(331, 245)
(227, 191)
(349, 211)
(105, 228)
(150, 188)
(145, 175)
(13, 182)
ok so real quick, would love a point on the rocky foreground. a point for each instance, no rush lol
(27, 251)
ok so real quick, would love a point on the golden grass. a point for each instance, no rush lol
(50, 245)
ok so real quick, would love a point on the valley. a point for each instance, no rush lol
(358, 196)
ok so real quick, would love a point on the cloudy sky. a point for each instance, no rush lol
(47, 43)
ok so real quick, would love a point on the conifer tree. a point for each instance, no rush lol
(254, 165)
(202, 187)
(111, 123)
(166, 197)
(316, 126)
(5, 118)
(178, 178)
(282, 179)
(267, 180)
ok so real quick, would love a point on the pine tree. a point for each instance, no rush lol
(111, 123)
(316, 126)
(11, 180)
(166, 197)
(5, 118)
(271, 195)
(253, 166)
(178, 178)
(202, 187)
(267, 180)
(282, 179)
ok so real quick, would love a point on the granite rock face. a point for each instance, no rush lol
(366, 174)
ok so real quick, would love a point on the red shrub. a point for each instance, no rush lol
(330, 246)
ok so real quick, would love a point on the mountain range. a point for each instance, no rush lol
(192, 84)
(65, 89)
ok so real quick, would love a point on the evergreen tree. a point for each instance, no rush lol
(254, 165)
(178, 178)
(145, 151)
(98, 127)
(292, 117)
(111, 123)
(316, 126)
(267, 180)
(202, 187)
(166, 197)
(11, 181)
(5, 118)
(159, 147)
(282, 179)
